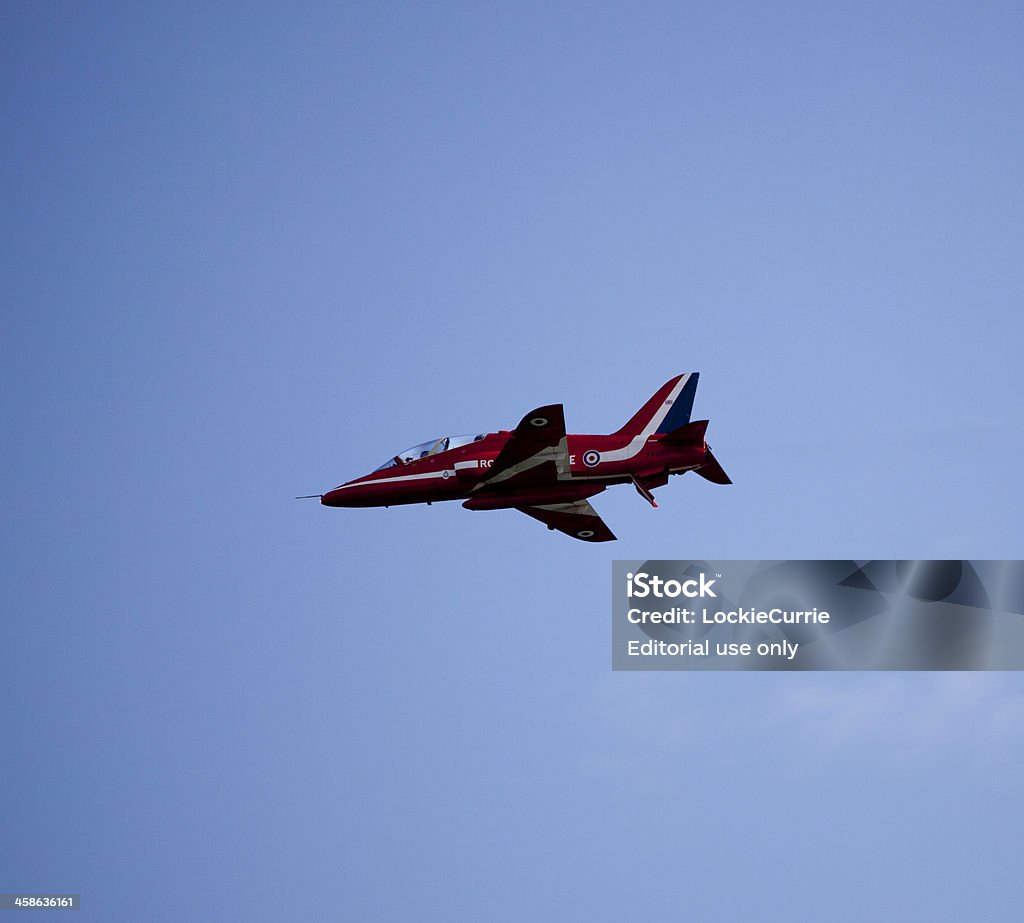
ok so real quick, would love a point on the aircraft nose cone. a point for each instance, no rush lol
(351, 494)
(333, 497)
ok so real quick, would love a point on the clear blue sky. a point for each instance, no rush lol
(250, 250)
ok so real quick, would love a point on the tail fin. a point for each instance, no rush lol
(667, 410)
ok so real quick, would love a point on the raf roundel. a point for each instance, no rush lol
(591, 458)
(585, 533)
(539, 421)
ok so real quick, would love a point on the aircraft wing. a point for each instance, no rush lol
(577, 519)
(536, 452)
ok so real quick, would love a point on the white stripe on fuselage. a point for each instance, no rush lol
(448, 472)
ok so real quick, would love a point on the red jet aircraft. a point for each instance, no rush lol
(540, 470)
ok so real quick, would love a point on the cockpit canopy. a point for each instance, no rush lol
(428, 448)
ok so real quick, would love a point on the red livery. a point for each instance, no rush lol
(540, 470)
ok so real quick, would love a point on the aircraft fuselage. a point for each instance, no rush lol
(542, 471)
(595, 462)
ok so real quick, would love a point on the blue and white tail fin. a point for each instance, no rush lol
(668, 409)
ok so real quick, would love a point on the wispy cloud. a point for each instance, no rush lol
(893, 719)
(912, 711)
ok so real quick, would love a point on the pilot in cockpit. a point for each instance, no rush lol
(426, 449)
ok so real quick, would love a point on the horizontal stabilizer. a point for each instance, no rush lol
(690, 434)
(712, 471)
